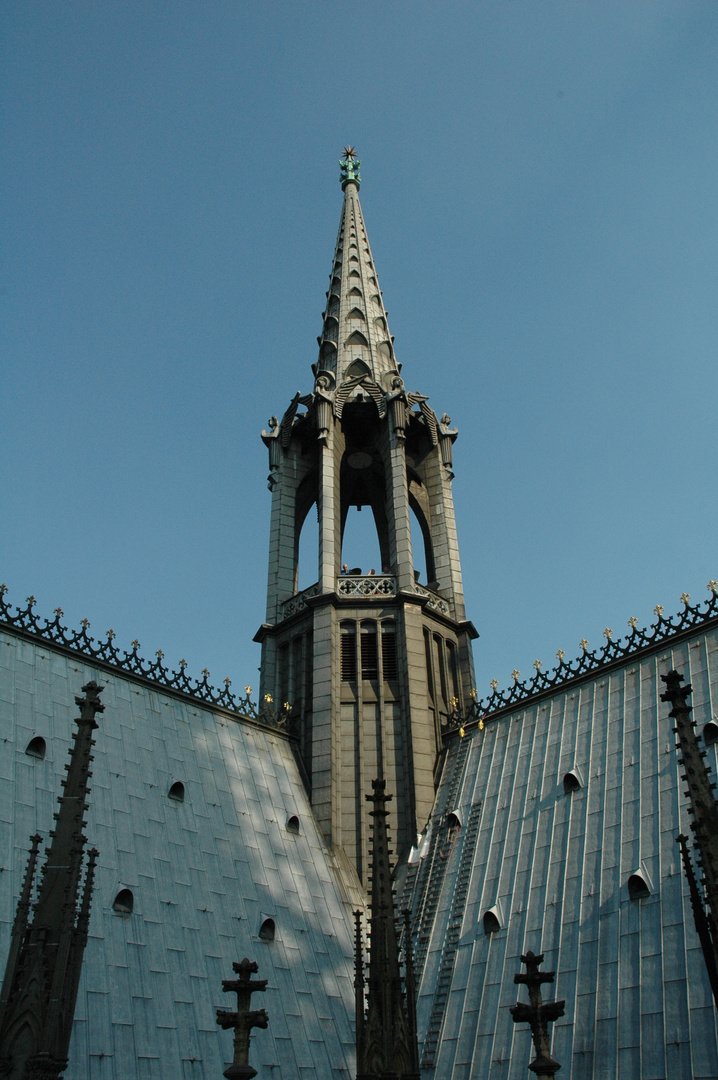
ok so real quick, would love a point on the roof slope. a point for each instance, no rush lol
(516, 860)
(204, 874)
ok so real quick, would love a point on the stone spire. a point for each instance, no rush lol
(355, 337)
(704, 810)
(370, 664)
(37, 1003)
(386, 1033)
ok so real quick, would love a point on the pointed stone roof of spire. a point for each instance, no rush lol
(355, 338)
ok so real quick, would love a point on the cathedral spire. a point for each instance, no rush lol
(355, 338)
(386, 1031)
(39, 991)
(370, 664)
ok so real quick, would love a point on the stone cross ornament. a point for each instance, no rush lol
(244, 1019)
(538, 1014)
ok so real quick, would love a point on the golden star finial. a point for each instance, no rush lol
(350, 153)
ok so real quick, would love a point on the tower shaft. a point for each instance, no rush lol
(370, 664)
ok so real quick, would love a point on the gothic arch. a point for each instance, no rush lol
(419, 505)
(306, 497)
(357, 368)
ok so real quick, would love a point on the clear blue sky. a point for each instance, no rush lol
(540, 194)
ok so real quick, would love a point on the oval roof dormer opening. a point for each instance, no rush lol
(36, 748)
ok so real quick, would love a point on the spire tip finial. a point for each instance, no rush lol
(349, 164)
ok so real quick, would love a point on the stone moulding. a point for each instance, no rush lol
(665, 630)
(27, 623)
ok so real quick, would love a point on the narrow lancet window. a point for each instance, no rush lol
(388, 651)
(369, 654)
(348, 652)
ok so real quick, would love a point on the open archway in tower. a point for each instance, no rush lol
(306, 532)
(360, 541)
(308, 550)
(421, 546)
(365, 530)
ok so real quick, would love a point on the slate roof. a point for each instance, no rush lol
(504, 837)
(553, 867)
(205, 874)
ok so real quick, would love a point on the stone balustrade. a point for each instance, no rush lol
(366, 585)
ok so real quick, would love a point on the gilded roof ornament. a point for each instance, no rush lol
(349, 164)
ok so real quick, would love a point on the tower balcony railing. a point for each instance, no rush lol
(363, 585)
(298, 602)
(433, 601)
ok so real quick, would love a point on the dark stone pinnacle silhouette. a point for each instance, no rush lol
(39, 991)
(538, 1014)
(243, 1019)
(704, 810)
(386, 1030)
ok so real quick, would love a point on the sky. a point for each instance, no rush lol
(539, 193)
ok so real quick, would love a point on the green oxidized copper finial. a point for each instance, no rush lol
(349, 165)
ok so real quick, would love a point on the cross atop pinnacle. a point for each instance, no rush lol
(349, 164)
